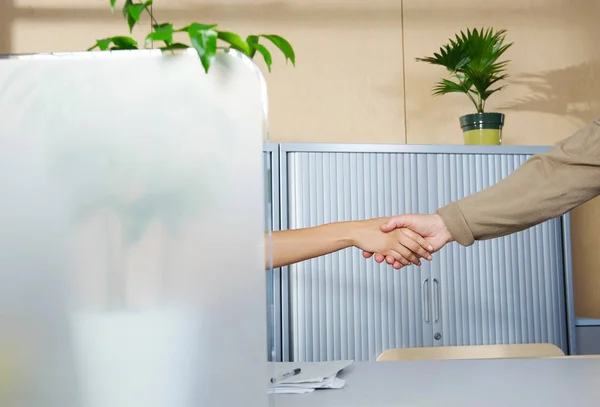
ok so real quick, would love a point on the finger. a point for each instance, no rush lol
(397, 265)
(394, 257)
(393, 223)
(379, 257)
(416, 244)
(367, 255)
(407, 254)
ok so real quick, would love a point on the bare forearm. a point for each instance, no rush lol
(292, 246)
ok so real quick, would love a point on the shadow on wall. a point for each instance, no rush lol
(572, 92)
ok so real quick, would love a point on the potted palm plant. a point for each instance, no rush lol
(473, 61)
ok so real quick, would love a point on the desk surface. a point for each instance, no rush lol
(460, 383)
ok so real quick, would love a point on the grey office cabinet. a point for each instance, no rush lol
(588, 336)
(341, 306)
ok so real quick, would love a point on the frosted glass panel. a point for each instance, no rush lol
(131, 231)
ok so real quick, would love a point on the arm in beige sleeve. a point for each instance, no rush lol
(546, 186)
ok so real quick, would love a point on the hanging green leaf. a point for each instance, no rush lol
(284, 46)
(126, 7)
(130, 20)
(204, 42)
(265, 53)
(174, 46)
(123, 43)
(163, 27)
(119, 43)
(162, 32)
(112, 5)
(197, 27)
(102, 44)
(252, 40)
(133, 11)
(235, 41)
(134, 14)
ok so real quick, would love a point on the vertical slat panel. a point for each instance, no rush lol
(506, 290)
(343, 306)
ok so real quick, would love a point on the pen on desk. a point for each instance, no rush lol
(285, 375)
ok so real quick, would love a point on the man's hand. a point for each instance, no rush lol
(430, 227)
(402, 246)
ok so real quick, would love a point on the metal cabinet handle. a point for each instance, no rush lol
(436, 299)
(426, 301)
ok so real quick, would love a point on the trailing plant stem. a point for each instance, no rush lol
(152, 19)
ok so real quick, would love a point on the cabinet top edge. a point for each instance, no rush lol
(587, 322)
(402, 148)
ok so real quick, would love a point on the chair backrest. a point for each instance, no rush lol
(533, 350)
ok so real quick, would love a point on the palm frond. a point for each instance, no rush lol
(472, 57)
(451, 56)
(482, 82)
(445, 86)
(489, 92)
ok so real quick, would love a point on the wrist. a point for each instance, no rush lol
(341, 234)
(351, 233)
(445, 233)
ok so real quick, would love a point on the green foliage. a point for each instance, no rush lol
(204, 38)
(472, 58)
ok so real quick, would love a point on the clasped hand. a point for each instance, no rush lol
(409, 238)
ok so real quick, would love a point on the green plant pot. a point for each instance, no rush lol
(482, 128)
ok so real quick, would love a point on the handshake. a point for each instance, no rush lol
(408, 238)
(400, 240)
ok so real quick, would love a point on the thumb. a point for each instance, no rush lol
(394, 222)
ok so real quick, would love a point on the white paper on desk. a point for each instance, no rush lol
(286, 390)
(301, 388)
(311, 372)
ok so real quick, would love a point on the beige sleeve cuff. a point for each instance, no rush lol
(456, 224)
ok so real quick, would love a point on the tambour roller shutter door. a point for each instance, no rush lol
(500, 291)
(341, 305)
(509, 290)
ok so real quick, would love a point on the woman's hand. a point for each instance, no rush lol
(404, 245)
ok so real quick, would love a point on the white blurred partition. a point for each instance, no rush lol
(131, 231)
